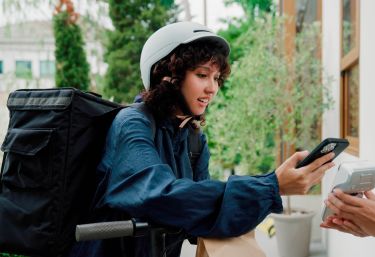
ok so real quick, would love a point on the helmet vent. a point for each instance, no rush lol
(201, 30)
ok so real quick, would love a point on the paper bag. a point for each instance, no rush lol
(242, 246)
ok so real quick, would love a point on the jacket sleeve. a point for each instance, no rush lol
(143, 187)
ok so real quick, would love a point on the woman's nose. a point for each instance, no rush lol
(212, 86)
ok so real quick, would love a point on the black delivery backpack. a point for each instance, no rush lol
(53, 144)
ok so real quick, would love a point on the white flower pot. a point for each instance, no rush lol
(293, 233)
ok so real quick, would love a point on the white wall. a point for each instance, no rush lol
(331, 62)
(340, 244)
(367, 80)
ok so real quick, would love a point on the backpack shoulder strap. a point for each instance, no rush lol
(195, 146)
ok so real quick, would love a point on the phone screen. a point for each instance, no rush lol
(336, 145)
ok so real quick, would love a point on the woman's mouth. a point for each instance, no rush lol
(203, 100)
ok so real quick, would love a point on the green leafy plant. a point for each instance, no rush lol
(134, 22)
(268, 100)
(253, 7)
(237, 26)
(72, 68)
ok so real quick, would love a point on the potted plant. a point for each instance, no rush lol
(270, 101)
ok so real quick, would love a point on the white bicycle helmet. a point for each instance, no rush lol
(167, 38)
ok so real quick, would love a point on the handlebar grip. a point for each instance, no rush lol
(104, 230)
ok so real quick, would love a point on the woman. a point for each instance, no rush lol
(148, 175)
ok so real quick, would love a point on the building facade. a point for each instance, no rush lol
(348, 56)
(27, 58)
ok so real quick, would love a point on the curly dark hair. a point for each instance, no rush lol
(165, 97)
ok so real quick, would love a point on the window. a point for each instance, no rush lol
(307, 12)
(351, 93)
(1, 67)
(23, 69)
(47, 69)
(349, 28)
(350, 73)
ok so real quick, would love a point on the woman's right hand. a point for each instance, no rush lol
(294, 181)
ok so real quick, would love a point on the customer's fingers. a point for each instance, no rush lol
(328, 223)
(370, 195)
(330, 204)
(349, 200)
(339, 208)
(353, 228)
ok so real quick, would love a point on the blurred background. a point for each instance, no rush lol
(301, 72)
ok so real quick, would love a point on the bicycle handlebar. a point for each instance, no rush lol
(105, 230)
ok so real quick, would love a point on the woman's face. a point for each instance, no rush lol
(200, 87)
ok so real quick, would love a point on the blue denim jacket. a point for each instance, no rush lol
(151, 178)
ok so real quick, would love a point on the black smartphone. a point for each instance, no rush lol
(336, 145)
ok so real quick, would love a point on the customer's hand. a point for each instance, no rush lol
(346, 226)
(352, 214)
(298, 181)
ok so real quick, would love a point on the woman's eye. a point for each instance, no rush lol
(201, 75)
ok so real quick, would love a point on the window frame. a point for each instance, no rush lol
(348, 61)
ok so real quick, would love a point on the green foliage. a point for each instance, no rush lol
(167, 3)
(72, 68)
(134, 22)
(236, 28)
(264, 94)
(253, 7)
